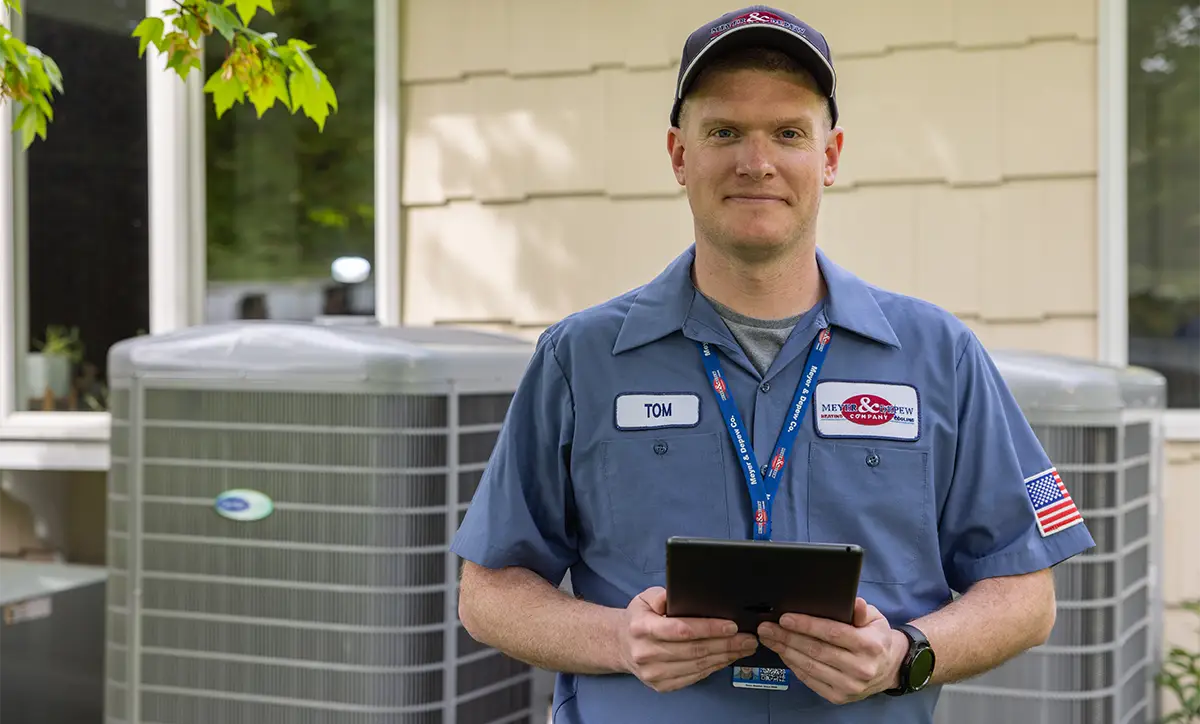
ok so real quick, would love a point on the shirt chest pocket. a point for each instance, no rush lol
(658, 487)
(876, 497)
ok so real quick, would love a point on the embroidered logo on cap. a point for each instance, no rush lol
(753, 18)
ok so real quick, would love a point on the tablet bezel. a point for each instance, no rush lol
(728, 579)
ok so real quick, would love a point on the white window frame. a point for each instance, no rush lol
(1113, 206)
(177, 236)
(31, 440)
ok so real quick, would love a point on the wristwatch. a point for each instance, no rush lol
(917, 667)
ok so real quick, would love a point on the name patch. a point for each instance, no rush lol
(649, 411)
(867, 409)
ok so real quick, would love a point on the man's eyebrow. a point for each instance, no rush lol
(714, 121)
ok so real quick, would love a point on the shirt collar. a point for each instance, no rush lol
(663, 306)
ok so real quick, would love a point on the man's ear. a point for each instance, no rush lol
(675, 150)
(833, 154)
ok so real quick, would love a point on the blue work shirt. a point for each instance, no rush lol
(934, 489)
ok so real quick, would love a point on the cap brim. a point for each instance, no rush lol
(765, 36)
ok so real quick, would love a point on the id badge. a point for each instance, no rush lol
(754, 677)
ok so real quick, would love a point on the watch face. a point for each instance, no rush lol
(921, 669)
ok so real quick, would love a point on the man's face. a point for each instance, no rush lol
(755, 153)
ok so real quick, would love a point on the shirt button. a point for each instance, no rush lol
(660, 447)
(872, 460)
(765, 387)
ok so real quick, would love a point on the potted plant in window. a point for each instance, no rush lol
(51, 367)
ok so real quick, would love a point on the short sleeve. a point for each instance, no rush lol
(1001, 476)
(521, 512)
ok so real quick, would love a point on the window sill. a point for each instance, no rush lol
(55, 441)
(1182, 425)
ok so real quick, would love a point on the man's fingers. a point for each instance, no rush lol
(807, 646)
(700, 649)
(834, 633)
(827, 681)
(824, 690)
(702, 669)
(691, 629)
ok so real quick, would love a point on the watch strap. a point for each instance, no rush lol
(917, 642)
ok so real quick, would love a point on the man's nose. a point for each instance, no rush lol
(755, 160)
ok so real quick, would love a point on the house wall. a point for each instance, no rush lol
(536, 177)
(1181, 572)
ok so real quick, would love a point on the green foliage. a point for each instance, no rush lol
(62, 342)
(1181, 675)
(257, 67)
(29, 76)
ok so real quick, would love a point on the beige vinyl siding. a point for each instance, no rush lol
(537, 182)
(1181, 573)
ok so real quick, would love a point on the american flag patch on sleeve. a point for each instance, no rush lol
(1052, 504)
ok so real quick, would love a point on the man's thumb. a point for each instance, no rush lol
(861, 613)
(655, 599)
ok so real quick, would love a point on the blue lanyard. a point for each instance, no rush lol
(762, 492)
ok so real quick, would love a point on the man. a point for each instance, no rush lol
(912, 446)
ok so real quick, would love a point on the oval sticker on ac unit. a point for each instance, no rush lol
(243, 505)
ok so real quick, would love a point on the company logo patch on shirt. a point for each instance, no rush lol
(1052, 504)
(649, 411)
(867, 409)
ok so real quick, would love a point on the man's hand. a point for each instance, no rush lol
(843, 663)
(671, 653)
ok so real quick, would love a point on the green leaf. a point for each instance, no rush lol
(317, 111)
(17, 55)
(225, 22)
(306, 62)
(298, 89)
(247, 8)
(328, 93)
(190, 25)
(14, 5)
(224, 92)
(27, 124)
(53, 72)
(264, 95)
(150, 31)
(44, 106)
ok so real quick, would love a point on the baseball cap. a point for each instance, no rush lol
(760, 26)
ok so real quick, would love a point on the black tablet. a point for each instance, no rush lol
(749, 581)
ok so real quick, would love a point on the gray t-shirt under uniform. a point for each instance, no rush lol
(761, 339)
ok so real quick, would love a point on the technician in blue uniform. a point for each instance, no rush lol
(908, 444)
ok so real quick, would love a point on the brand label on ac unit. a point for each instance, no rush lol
(243, 505)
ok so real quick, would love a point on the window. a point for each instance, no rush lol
(81, 207)
(290, 227)
(1164, 193)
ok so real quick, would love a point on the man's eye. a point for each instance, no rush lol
(791, 134)
(723, 133)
